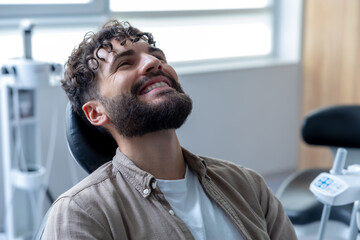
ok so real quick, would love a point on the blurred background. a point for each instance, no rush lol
(254, 69)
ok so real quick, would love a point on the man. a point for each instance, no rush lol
(153, 188)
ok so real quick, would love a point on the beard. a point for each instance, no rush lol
(132, 117)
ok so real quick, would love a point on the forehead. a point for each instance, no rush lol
(106, 53)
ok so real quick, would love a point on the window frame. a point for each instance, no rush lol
(204, 9)
(92, 8)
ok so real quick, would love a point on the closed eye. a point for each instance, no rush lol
(122, 59)
(158, 53)
(160, 57)
(124, 64)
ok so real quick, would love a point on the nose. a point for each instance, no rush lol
(149, 63)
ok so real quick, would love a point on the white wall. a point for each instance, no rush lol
(249, 116)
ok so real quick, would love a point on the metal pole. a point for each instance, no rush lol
(353, 226)
(324, 219)
(26, 27)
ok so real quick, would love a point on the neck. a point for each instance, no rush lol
(157, 153)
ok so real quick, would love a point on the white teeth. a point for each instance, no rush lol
(155, 85)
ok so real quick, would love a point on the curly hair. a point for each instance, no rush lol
(80, 70)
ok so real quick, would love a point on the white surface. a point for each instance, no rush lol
(29, 180)
(248, 116)
(336, 189)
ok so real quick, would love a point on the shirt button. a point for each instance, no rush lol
(146, 191)
(172, 213)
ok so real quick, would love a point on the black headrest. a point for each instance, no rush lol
(337, 126)
(90, 147)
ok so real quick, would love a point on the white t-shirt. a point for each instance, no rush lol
(205, 219)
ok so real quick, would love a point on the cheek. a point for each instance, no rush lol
(114, 85)
(171, 71)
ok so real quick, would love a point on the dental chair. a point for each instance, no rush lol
(90, 146)
(334, 127)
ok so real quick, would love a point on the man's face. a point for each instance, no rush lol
(139, 90)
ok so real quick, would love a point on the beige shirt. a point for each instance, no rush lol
(121, 201)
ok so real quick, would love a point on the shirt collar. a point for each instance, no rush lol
(142, 180)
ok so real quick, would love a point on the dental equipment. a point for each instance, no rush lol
(25, 177)
(339, 187)
(333, 127)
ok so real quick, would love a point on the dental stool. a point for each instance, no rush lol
(336, 126)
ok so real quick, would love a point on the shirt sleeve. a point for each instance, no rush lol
(67, 220)
(279, 226)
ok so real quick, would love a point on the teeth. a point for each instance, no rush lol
(155, 85)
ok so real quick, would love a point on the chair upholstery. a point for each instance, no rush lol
(89, 146)
(336, 126)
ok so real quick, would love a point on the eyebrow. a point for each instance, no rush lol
(155, 49)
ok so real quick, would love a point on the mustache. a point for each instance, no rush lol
(173, 83)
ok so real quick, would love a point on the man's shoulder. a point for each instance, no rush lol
(225, 169)
(84, 188)
(218, 164)
(212, 161)
(230, 169)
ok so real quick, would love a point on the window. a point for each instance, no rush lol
(205, 29)
(51, 8)
(198, 31)
(60, 23)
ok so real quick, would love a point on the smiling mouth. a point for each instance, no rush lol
(153, 86)
(157, 82)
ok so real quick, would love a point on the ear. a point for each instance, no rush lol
(95, 113)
